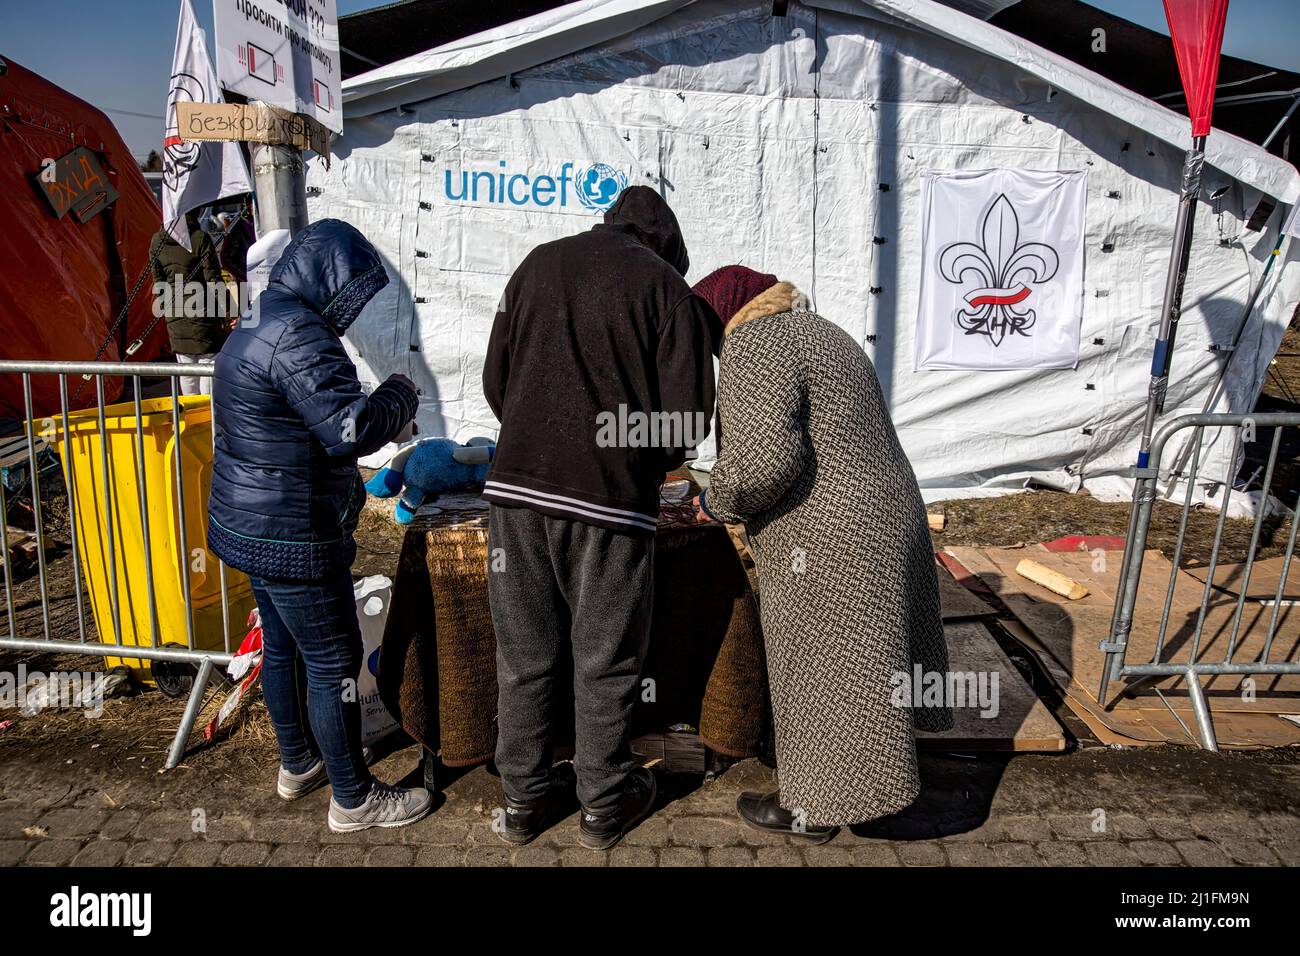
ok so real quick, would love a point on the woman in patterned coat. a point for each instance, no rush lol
(811, 465)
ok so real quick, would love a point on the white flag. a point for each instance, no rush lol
(1002, 269)
(195, 174)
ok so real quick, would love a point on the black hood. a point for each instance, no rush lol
(642, 212)
(334, 269)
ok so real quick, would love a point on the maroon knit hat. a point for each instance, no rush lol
(729, 288)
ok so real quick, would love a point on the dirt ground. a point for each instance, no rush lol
(1283, 381)
(1035, 516)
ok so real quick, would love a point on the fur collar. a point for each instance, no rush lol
(782, 297)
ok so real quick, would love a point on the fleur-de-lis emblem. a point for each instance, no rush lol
(1001, 266)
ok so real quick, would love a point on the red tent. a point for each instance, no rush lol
(68, 262)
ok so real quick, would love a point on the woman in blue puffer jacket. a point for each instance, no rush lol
(291, 420)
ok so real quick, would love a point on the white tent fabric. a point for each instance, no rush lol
(516, 46)
(795, 145)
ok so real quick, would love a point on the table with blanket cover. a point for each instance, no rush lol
(437, 667)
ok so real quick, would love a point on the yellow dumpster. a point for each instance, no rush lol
(111, 511)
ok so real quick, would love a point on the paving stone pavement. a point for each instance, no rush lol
(1092, 807)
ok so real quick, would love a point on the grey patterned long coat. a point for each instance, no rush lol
(811, 464)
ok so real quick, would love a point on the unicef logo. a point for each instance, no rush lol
(599, 185)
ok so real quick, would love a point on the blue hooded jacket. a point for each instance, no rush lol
(290, 416)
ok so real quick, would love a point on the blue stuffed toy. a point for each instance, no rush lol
(432, 467)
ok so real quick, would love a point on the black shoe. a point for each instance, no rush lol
(763, 811)
(525, 822)
(601, 831)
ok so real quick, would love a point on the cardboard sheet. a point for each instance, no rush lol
(1065, 636)
(1265, 576)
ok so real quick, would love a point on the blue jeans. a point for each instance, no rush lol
(311, 656)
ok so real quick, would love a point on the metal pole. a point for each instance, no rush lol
(1254, 543)
(1280, 123)
(221, 565)
(174, 653)
(1115, 647)
(1222, 377)
(140, 477)
(1201, 708)
(280, 182)
(1144, 480)
(1173, 301)
(9, 587)
(115, 369)
(71, 485)
(109, 533)
(37, 512)
(181, 516)
(1281, 582)
(192, 708)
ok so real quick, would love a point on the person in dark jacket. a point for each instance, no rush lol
(291, 420)
(196, 324)
(599, 367)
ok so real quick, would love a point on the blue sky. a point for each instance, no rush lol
(118, 55)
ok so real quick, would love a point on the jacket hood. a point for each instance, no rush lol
(642, 212)
(333, 269)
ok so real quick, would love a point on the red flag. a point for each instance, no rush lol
(1196, 27)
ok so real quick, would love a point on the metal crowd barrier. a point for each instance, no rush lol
(171, 648)
(1116, 666)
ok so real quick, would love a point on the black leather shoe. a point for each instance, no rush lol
(525, 822)
(601, 831)
(763, 811)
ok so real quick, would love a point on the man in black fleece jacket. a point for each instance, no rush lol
(600, 368)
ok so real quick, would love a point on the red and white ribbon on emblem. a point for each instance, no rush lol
(997, 296)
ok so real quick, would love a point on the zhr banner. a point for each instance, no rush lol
(282, 52)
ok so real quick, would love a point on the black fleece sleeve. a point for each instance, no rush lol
(685, 365)
(496, 365)
(394, 403)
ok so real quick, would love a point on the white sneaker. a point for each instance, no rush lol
(291, 786)
(386, 806)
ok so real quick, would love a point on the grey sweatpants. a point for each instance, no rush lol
(552, 581)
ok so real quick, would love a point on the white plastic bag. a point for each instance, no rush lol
(374, 594)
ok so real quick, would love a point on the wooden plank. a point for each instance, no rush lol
(1053, 580)
(1020, 723)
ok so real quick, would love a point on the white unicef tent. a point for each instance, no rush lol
(797, 145)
